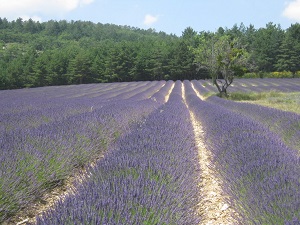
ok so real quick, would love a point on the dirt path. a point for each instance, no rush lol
(214, 206)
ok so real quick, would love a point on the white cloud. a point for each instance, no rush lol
(150, 19)
(292, 10)
(18, 8)
(34, 18)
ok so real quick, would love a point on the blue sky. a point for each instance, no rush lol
(161, 15)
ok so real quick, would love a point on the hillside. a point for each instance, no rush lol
(34, 54)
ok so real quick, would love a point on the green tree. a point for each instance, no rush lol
(265, 47)
(28, 73)
(79, 70)
(223, 58)
(58, 67)
(18, 25)
(289, 51)
(52, 28)
(182, 61)
(155, 64)
(4, 23)
(41, 69)
(5, 77)
(30, 26)
(97, 69)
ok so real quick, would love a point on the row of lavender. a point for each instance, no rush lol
(259, 171)
(43, 137)
(256, 85)
(151, 177)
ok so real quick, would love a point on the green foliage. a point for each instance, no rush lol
(253, 96)
(36, 54)
(224, 57)
(265, 47)
(279, 100)
(59, 52)
(289, 51)
(283, 74)
(251, 75)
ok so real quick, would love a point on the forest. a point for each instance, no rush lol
(35, 54)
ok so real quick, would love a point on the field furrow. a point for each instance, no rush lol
(214, 205)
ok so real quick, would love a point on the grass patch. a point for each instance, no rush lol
(279, 100)
(208, 94)
(254, 96)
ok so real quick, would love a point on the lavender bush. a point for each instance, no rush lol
(285, 124)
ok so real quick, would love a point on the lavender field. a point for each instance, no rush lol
(134, 155)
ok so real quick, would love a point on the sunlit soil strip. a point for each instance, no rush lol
(214, 206)
(29, 214)
(197, 93)
(150, 96)
(170, 91)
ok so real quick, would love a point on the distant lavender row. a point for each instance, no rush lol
(125, 90)
(259, 171)
(28, 99)
(37, 158)
(136, 91)
(160, 96)
(16, 97)
(253, 85)
(151, 90)
(267, 84)
(150, 178)
(31, 107)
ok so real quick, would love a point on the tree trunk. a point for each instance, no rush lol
(223, 94)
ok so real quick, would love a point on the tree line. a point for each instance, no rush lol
(63, 52)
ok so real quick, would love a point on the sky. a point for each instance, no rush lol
(172, 17)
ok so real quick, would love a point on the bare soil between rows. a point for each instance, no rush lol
(214, 205)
